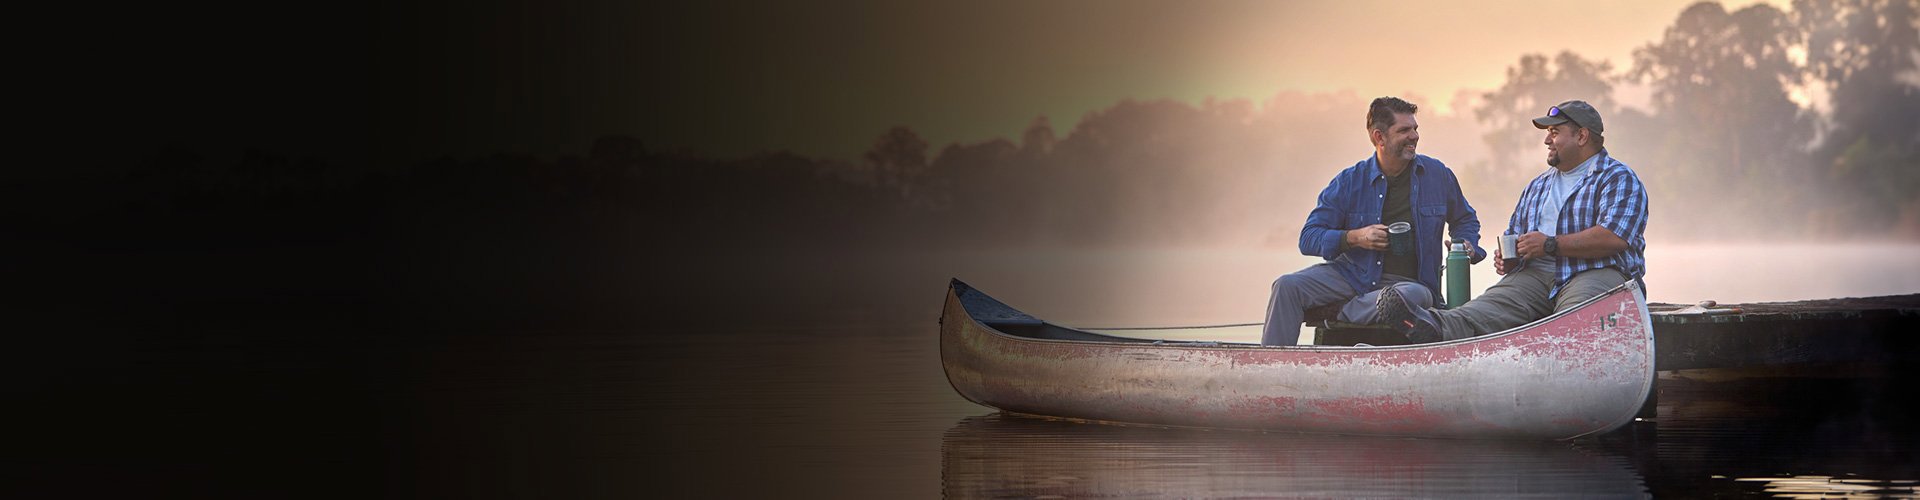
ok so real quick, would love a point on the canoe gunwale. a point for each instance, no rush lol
(990, 318)
(961, 288)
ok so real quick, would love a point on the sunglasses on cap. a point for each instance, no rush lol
(1554, 112)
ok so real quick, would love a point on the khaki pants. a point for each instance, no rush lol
(1521, 297)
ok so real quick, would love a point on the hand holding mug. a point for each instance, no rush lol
(1532, 245)
(1372, 237)
(1507, 255)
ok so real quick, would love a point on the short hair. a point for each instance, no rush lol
(1380, 113)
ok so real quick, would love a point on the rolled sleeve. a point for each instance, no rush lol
(1623, 208)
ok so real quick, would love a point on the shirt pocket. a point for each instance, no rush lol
(1428, 220)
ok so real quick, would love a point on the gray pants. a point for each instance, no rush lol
(1521, 297)
(1319, 285)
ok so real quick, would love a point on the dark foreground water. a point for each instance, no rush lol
(854, 409)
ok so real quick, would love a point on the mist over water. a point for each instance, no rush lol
(1186, 287)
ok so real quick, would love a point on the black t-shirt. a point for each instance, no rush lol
(1399, 208)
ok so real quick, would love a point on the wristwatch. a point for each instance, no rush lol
(1553, 246)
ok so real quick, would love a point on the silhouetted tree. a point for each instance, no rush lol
(1038, 140)
(975, 185)
(899, 158)
(1721, 84)
(1532, 85)
(1865, 53)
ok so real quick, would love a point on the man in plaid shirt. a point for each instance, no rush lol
(1581, 227)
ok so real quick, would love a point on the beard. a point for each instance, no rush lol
(1403, 152)
(1553, 159)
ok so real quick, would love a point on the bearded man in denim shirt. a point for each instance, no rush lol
(1348, 227)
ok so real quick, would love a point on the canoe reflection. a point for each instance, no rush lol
(1002, 455)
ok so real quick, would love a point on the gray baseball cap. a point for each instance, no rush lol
(1578, 112)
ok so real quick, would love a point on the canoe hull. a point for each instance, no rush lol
(1583, 371)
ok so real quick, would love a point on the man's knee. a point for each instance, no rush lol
(1416, 294)
(1586, 285)
(1288, 285)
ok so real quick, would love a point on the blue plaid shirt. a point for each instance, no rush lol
(1356, 198)
(1610, 196)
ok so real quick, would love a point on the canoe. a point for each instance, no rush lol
(1578, 372)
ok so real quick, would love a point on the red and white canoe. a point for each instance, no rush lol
(1579, 372)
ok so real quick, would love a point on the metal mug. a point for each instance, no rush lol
(1510, 251)
(1400, 238)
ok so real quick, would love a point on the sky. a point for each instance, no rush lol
(826, 78)
(409, 82)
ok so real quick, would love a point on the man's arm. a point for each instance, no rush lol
(1622, 216)
(1623, 210)
(1591, 243)
(1323, 236)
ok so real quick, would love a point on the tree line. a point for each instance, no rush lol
(1727, 150)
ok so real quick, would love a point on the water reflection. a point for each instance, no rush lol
(1001, 455)
(1832, 487)
(1788, 437)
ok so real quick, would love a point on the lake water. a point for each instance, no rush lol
(866, 411)
(852, 402)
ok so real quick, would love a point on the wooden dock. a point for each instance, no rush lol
(1869, 335)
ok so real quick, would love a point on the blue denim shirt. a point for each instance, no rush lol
(1357, 197)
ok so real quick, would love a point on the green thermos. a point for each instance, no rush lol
(1459, 256)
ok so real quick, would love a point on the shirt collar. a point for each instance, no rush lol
(1586, 168)
(1418, 166)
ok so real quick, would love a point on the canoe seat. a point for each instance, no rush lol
(1321, 315)
(1339, 333)
(1327, 330)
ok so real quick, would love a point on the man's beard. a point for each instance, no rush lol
(1400, 151)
